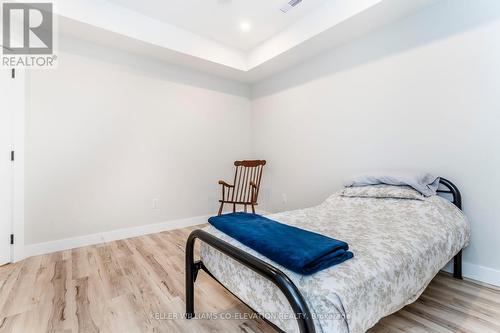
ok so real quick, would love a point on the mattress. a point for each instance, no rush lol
(399, 245)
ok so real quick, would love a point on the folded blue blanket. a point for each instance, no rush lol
(301, 251)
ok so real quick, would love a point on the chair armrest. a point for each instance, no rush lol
(223, 183)
(224, 191)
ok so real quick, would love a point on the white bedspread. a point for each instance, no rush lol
(399, 245)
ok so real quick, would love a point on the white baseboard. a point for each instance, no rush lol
(108, 236)
(478, 273)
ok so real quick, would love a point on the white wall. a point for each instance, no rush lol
(421, 93)
(108, 132)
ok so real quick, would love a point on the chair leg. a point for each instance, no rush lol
(245, 208)
(253, 209)
(220, 208)
(234, 208)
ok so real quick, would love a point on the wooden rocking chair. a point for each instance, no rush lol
(245, 188)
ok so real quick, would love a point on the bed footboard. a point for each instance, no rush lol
(283, 282)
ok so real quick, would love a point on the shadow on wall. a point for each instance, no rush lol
(443, 20)
(148, 66)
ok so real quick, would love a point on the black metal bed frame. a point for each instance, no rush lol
(457, 201)
(276, 276)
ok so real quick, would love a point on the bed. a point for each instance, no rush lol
(399, 245)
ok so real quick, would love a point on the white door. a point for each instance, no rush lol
(6, 124)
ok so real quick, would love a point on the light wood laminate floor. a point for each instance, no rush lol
(134, 285)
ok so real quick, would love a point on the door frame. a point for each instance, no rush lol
(21, 87)
(8, 173)
(19, 95)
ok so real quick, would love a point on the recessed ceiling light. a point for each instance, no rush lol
(245, 26)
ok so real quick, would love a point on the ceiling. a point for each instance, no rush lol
(220, 20)
(205, 34)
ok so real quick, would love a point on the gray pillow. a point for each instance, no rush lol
(423, 182)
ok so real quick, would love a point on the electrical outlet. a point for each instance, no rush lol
(156, 203)
(284, 198)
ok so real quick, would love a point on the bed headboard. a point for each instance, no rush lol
(449, 188)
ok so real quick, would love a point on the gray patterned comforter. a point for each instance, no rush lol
(399, 245)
